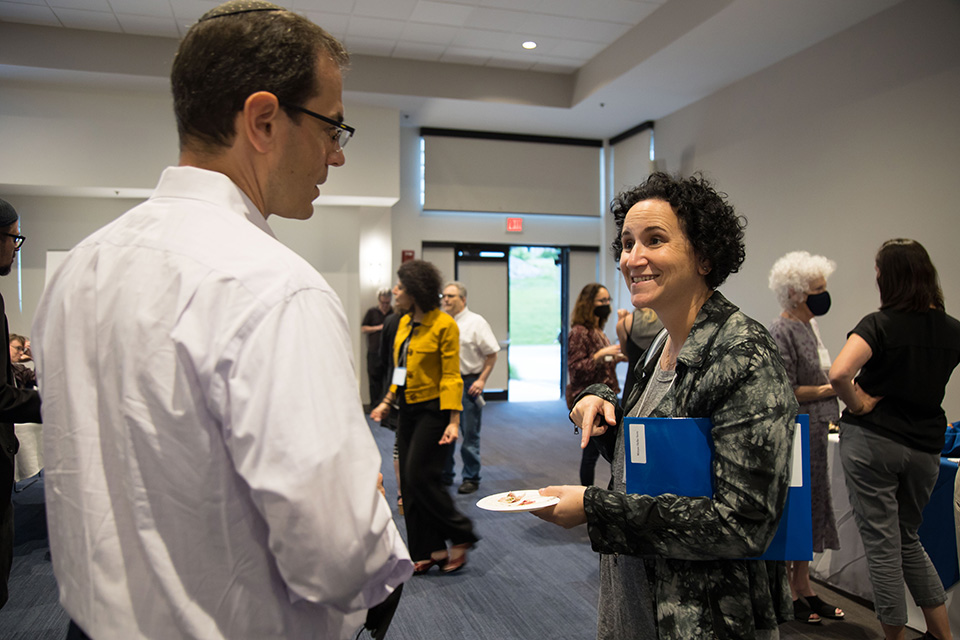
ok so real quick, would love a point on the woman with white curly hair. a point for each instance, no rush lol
(799, 281)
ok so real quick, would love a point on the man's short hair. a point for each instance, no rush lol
(460, 288)
(384, 293)
(228, 56)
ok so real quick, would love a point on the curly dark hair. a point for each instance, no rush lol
(707, 219)
(906, 277)
(224, 59)
(422, 282)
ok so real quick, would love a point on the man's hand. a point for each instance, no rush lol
(476, 388)
(593, 415)
(567, 513)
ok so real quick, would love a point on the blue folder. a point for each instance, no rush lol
(674, 455)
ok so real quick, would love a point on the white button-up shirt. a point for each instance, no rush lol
(476, 341)
(209, 470)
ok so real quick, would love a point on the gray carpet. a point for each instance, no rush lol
(525, 579)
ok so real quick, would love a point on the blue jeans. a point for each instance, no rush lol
(469, 438)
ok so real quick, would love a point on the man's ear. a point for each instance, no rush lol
(257, 121)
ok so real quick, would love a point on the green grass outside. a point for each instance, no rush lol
(535, 305)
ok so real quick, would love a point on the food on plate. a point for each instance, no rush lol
(515, 499)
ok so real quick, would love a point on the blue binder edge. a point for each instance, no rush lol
(679, 454)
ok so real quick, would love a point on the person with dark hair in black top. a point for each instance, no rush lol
(892, 430)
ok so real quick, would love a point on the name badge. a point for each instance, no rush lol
(399, 376)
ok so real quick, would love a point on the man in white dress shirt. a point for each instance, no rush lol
(478, 355)
(210, 473)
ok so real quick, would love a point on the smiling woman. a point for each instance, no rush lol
(660, 577)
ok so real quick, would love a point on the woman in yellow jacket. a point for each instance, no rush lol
(428, 389)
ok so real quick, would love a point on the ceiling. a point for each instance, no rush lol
(600, 66)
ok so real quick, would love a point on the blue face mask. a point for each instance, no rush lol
(818, 303)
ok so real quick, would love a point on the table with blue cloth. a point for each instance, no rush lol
(846, 568)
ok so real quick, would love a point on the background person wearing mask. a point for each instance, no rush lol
(591, 359)
(799, 281)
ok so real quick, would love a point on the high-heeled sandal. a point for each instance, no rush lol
(823, 609)
(422, 566)
(803, 613)
(459, 561)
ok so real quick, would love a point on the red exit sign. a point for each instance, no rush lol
(515, 225)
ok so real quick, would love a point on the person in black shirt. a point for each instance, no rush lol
(371, 327)
(892, 430)
(16, 405)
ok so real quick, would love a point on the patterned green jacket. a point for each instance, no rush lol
(729, 370)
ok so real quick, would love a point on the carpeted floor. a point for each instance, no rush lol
(525, 579)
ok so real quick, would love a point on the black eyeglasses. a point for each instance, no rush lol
(344, 133)
(17, 240)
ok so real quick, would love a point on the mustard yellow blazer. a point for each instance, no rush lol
(433, 360)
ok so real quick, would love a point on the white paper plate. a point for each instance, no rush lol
(517, 500)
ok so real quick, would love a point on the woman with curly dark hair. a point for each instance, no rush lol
(675, 566)
(590, 359)
(891, 375)
(428, 390)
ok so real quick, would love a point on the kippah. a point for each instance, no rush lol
(235, 7)
(8, 215)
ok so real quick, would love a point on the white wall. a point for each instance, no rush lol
(835, 150)
(333, 241)
(411, 226)
(67, 139)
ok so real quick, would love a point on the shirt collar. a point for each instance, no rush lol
(213, 187)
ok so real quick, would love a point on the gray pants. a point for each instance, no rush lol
(889, 485)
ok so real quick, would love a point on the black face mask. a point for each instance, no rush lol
(818, 303)
(602, 312)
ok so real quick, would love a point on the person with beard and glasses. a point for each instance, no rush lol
(799, 281)
(591, 359)
(16, 405)
(210, 473)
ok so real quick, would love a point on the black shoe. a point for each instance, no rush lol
(468, 486)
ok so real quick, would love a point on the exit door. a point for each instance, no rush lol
(485, 275)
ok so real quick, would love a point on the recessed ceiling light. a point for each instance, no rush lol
(529, 44)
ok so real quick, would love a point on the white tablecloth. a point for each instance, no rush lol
(29, 458)
(846, 568)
